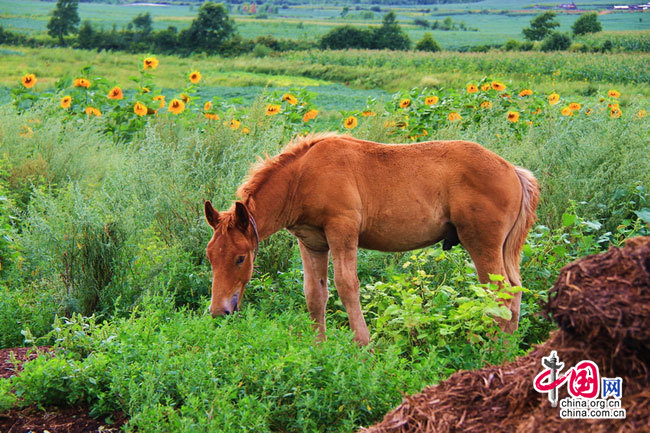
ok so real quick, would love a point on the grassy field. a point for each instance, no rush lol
(324, 72)
(496, 21)
(102, 235)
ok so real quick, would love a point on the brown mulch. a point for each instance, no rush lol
(21, 354)
(53, 420)
(602, 304)
(63, 420)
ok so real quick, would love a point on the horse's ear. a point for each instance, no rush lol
(211, 215)
(241, 216)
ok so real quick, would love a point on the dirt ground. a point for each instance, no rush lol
(53, 420)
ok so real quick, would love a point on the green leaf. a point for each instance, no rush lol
(644, 214)
(568, 219)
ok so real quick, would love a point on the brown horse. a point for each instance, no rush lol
(336, 194)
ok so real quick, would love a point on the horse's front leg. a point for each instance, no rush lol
(343, 242)
(315, 285)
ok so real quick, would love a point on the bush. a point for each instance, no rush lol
(511, 45)
(427, 43)
(556, 41)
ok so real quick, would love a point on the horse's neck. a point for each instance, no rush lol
(271, 206)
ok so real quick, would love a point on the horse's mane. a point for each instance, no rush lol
(267, 166)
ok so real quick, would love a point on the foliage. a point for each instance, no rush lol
(556, 41)
(388, 36)
(587, 23)
(211, 28)
(427, 43)
(65, 19)
(540, 26)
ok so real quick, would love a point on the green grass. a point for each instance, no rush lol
(566, 73)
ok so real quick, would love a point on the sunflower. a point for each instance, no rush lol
(81, 82)
(161, 99)
(245, 130)
(26, 131)
(615, 113)
(641, 114)
(350, 122)
(574, 106)
(66, 101)
(207, 106)
(29, 80)
(454, 116)
(144, 90)
(566, 111)
(613, 93)
(513, 116)
(290, 98)
(431, 100)
(613, 106)
(272, 109)
(404, 103)
(486, 104)
(211, 116)
(150, 63)
(368, 113)
(471, 88)
(537, 111)
(485, 87)
(553, 98)
(92, 111)
(115, 93)
(195, 77)
(589, 111)
(140, 109)
(311, 114)
(176, 106)
(525, 92)
(498, 86)
(185, 98)
(234, 124)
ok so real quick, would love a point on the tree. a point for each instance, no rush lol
(65, 19)
(427, 43)
(343, 37)
(390, 35)
(142, 23)
(587, 23)
(211, 28)
(540, 26)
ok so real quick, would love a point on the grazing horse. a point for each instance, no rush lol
(336, 194)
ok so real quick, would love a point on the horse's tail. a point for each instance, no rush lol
(517, 236)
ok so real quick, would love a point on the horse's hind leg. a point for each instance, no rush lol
(484, 240)
(315, 285)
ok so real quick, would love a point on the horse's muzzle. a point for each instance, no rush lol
(233, 305)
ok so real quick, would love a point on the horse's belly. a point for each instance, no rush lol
(403, 236)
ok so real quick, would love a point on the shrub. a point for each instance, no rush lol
(427, 43)
(511, 45)
(556, 41)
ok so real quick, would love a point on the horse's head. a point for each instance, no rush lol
(231, 252)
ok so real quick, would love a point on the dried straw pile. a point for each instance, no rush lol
(602, 304)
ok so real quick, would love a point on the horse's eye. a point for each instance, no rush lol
(240, 260)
